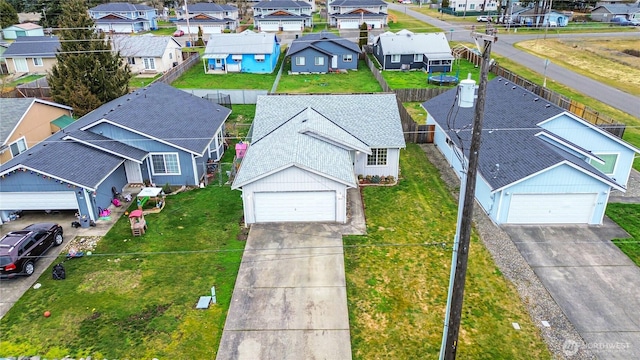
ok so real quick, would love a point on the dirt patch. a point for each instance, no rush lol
(82, 243)
(117, 282)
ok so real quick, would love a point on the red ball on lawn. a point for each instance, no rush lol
(47, 313)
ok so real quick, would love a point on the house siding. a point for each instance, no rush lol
(309, 66)
(117, 179)
(338, 50)
(47, 65)
(393, 157)
(293, 179)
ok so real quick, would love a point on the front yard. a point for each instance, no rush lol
(397, 278)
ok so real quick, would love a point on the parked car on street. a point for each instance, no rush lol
(483, 18)
(621, 21)
(19, 250)
(178, 33)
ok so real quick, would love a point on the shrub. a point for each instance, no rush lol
(360, 177)
(375, 179)
(391, 179)
(166, 188)
(368, 178)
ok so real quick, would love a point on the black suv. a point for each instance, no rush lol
(19, 250)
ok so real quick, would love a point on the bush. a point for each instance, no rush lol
(391, 179)
(375, 179)
(166, 188)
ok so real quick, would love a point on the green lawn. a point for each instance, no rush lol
(195, 78)
(140, 82)
(361, 81)
(21, 80)
(627, 216)
(240, 120)
(399, 20)
(135, 297)
(397, 278)
(418, 79)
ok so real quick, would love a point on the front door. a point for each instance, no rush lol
(134, 174)
(334, 62)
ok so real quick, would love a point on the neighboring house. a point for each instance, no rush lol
(538, 163)
(32, 54)
(148, 54)
(606, 13)
(282, 15)
(245, 52)
(350, 14)
(27, 29)
(529, 17)
(212, 18)
(306, 151)
(476, 6)
(26, 122)
(137, 138)
(124, 17)
(405, 50)
(323, 52)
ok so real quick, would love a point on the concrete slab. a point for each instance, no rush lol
(613, 345)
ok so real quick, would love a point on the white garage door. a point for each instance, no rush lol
(291, 26)
(374, 24)
(295, 206)
(349, 24)
(54, 200)
(122, 29)
(212, 29)
(551, 208)
(269, 25)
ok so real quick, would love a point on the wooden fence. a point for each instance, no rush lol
(170, 75)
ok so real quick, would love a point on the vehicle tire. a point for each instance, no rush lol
(29, 268)
(57, 239)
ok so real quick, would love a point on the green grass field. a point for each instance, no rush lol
(628, 217)
(361, 81)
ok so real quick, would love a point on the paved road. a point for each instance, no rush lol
(604, 93)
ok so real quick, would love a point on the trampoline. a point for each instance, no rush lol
(443, 79)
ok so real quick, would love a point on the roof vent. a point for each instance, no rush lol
(536, 99)
(548, 105)
(506, 83)
(513, 88)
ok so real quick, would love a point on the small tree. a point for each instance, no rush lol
(8, 15)
(200, 42)
(445, 4)
(364, 34)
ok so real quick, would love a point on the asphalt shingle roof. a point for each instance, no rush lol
(11, 111)
(108, 144)
(142, 46)
(620, 9)
(247, 42)
(115, 6)
(33, 46)
(510, 151)
(281, 4)
(210, 7)
(358, 3)
(311, 39)
(406, 42)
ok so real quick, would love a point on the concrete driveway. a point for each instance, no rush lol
(290, 299)
(593, 282)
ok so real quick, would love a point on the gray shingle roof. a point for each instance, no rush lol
(509, 128)
(621, 9)
(210, 7)
(406, 42)
(304, 130)
(311, 39)
(109, 145)
(207, 19)
(247, 42)
(11, 111)
(142, 46)
(33, 46)
(281, 4)
(115, 6)
(358, 3)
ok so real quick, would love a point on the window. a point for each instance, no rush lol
(347, 58)
(378, 50)
(609, 163)
(259, 57)
(319, 60)
(300, 60)
(395, 58)
(170, 56)
(37, 61)
(18, 147)
(378, 157)
(149, 63)
(131, 60)
(472, 6)
(417, 57)
(165, 164)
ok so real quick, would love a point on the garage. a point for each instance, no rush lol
(291, 26)
(349, 24)
(194, 29)
(269, 25)
(302, 206)
(551, 208)
(374, 24)
(121, 28)
(212, 29)
(53, 200)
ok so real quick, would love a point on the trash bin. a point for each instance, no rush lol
(188, 43)
(85, 221)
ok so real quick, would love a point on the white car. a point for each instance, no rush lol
(483, 18)
(406, 2)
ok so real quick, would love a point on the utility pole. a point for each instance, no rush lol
(460, 255)
(186, 10)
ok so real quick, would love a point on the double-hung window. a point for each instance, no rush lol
(378, 157)
(347, 58)
(319, 60)
(417, 57)
(300, 60)
(395, 58)
(37, 61)
(165, 164)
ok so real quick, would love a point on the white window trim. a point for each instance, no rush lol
(375, 151)
(300, 61)
(22, 140)
(615, 165)
(319, 61)
(153, 169)
(149, 63)
(347, 57)
(418, 57)
(38, 64)
(398, 57)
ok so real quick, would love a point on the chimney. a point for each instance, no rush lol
(467, 94)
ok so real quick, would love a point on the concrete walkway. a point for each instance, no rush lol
(290, 297)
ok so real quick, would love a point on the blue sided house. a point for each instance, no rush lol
(538, 163)
(247, 51)
(157, 134)
(323, 52)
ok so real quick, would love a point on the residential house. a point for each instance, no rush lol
(26, 122)
(350, 14)
(606, 13)
(32, 54)
(282, 15)
(248, 52)
(138, 138)
(306, 151)
(474, 6)
(124, 17)
(405, 50)
(529, 17)
(212, 18)
(148, 54)
(538, 163)
(323, 52)
(26, 29)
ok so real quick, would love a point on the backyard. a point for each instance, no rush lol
(418, 79)
(360, 81)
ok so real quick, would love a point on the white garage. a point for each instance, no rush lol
(552, 208)
(349, 24)
(269, 25)
(212, 29)
(185, 28)
(291, 26)
(53, 200)
(375, 24)
(295, 206)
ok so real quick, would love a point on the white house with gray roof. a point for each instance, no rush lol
(406, 50)
(538, 163)
(148, 54)
(606, 13)
(307, 150)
